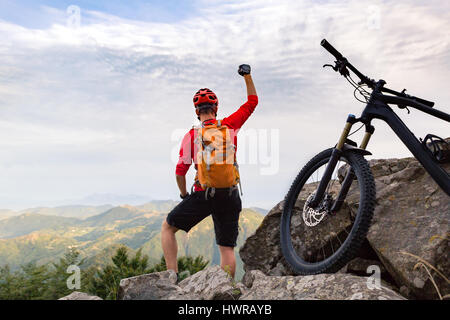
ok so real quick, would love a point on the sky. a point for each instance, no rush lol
(96, 95)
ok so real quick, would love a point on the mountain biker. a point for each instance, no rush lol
(225, 204)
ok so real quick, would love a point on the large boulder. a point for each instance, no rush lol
(262, 251)
(76, 295)
(337, 286)
(411, 219)
(152, 286)
(211, 283)
(411, 225)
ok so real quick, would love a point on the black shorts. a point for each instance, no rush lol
(223, 207)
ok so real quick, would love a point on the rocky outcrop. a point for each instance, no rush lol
(337, 286)
(411, 224)
(214, 284)
(80, 296)
(209, 284)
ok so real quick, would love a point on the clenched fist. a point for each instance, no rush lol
(244, 69)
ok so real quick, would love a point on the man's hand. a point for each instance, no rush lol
(244, 69)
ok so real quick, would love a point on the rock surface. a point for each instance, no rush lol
(80, 296)
(152, 286)
(210, 284)
(412, 216)
(214, 284)
(337, 286)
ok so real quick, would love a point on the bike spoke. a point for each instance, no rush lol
(331, 243)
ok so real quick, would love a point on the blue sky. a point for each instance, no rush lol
(100, 108)
(33, 14)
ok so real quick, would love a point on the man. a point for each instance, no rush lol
(223, 205)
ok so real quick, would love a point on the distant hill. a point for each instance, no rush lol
(75, 211)
(111, 199)
(86, 211)
(5, 213)
(260, 210)
(159, 205)
(29, 222)
(43, 238)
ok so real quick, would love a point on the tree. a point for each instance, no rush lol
(30, 282)
(105, 283)
(7, 283)
(57, 284)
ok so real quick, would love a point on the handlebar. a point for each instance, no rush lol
(324, 43)
(343, 63)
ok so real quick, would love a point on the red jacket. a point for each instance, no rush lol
(233, 122)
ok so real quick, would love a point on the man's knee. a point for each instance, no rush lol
(167, 227)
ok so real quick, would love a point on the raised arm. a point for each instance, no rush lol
(237, 119)
(251, 91)
(244, 70)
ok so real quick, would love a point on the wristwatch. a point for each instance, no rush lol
(185, 196)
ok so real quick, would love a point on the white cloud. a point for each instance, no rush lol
(103, 99)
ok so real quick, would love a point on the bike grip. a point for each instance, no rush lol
(324, 43)
(425, 102)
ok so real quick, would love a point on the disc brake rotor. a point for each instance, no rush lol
(313, 216)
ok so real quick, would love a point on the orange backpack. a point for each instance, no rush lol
(216, 157)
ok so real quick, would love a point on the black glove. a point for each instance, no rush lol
(244, 69)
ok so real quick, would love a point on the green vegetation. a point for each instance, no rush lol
(49, 282)
(32, 282)
(105, 283)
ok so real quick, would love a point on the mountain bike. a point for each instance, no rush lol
(329, 207)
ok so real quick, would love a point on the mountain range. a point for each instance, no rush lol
(42, 235)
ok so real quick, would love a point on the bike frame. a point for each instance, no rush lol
(382, 111)
(378, 108)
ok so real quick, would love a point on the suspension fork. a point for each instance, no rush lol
(335, 155)
(350, 175)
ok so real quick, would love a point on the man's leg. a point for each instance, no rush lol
(227, 260)
(169, 245)
(184, 216)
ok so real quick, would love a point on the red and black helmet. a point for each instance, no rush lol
(205, 96)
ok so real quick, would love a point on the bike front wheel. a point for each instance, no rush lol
(318, 240)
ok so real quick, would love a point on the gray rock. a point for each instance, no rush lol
(359, 266)
(317, 287)
(415, 220)
(261, 251)
(412, 215)
(152, 286)
(211, 283)
(76, 295)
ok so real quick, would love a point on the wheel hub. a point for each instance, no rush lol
(313, 216)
